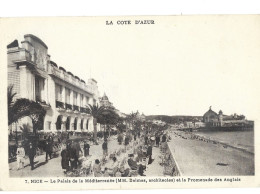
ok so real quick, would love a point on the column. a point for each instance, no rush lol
(24, 90)
(71, 96)
(78, 124)
(72, 120)
(84, 124)
(63, 123)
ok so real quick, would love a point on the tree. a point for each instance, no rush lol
(107, 118)
(23, 107)
(131, 118)
(120, 124)
(95, 111)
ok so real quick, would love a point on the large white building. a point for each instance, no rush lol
(64, 96)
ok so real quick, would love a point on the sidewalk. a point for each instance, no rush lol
(53, 167)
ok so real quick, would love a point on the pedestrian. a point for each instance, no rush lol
(73, 157)
(157, 140)
(65, 159)
(86, 148)
(139, 134)
(149, 154)
(120, 139)
(126, 140)
(20, 154)
(77, 148)
(97, 168)
(146, 140)
(48, 149)
(164, 138)
(135, 136)
(31, 154)
(105, 148)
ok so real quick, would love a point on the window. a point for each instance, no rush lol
(39, 88)
(58, 92)
(81, 100)
(75, 96)
(67, 95)
(87, 99)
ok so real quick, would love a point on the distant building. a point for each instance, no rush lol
(104, 101)
(159, 122)
(140, 117)
(212, 119)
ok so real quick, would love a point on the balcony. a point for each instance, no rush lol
(84, 110)
(56, 72)
(43, 103)
(68, 107)
(76, 108)
(59, 104)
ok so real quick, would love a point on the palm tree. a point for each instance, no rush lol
(108, 118)
(132, 118)
(95, 111)
(23, 107)
(10, 96)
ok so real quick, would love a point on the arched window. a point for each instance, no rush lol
(68, 123)
(75, 123)
(58, 122)
(81, 124)
(87, 124)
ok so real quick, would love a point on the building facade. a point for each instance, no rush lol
(212, 119)
(63, 95)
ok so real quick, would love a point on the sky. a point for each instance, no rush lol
(180, 65)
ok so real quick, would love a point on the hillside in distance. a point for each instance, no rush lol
(174, 119)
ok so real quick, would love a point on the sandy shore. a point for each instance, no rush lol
(243, 140)
(200, 158)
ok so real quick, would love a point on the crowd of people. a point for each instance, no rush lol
(131, 158)
(30, 150)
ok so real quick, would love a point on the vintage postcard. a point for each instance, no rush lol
(130, 102)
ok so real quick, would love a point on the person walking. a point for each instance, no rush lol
(48, 149)
(126, 141)
(73, 157)
(149, 154)
(164, 138)
(20, 154)
(86, 148)
(31, 154)
(105, 148)
(65, 158)
(157, 139)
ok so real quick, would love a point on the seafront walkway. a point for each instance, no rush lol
(52, 168)
(201, 158)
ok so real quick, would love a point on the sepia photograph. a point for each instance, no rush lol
(131, 97)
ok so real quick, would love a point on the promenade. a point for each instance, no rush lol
(52, 168)
(202, 158)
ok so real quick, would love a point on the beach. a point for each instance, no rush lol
(204, 158)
